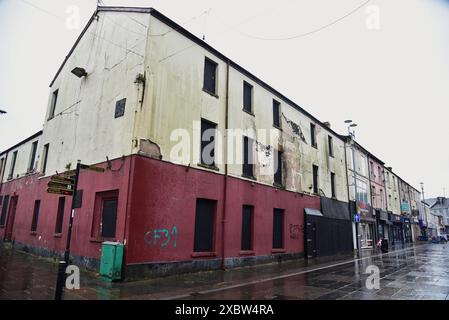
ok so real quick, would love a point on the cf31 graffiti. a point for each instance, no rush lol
(161, 237)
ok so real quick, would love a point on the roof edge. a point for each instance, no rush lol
(37, 134)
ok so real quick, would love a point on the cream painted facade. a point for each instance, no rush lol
(24, 164)
(117, 48)
(392, 190)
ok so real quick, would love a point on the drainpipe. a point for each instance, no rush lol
(225, 157)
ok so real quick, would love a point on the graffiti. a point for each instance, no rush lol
(294, 231)
(161, 237)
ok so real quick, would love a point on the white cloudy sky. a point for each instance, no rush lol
(392, 81)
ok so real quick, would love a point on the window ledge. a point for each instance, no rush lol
(278, 250)
(2, 226)
(277, 127)
(315, 146)
(33, 233)
(57, 235)
(247, 252)
(208, 166)
(211, 93)
(279, 186)
(249, 177)
(203, 254)
(248, 112)
(101, 240)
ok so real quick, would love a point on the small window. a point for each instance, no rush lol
(2, 162)
(208, 131)
(13, 165)
(37, 205)
(45, 157)
(247, 97)
(333, 185)
(120, 108)
(4, 210)
(204, 225)
(278, 168)
(278, 228)
(247, 227)
(276, 114)
(315, 179)
(210, 76)
(32, 156)
(248, 157)
(313, 135)
(60, 215)
(54, 100)
(331, 145)
(105, 215)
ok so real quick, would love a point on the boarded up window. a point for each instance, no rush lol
(37, 205)
(313, 135)
(4, 210)
(32, 156)
(315, 179)
(109, 218)
(278, 168)
(278, 228)
(60, 215)
(330, 143)
(78, 199)
(104, 223)
(13, 165)
(54, 100)
(204, 225)
(208, 142)
(247, 227)
(248, 157)
(45, 157)
(333, 184)
(120, 108)
(247, 97)
(210, 75)
(276, 114)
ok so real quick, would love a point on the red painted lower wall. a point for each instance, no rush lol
(156, 212)
(163, 203)
(31, 188)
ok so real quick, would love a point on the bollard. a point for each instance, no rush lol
(60, 280)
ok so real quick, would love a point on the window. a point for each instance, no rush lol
(379, 173)
(372, 169)
(2, 160)
(330, 143)
(315, 179)
(13, 164)
(210, 76)
(247, 97)
(278, 229)
(208, 142)
(362, 165)
(333, 185)
(313, 135)
(247, 227)
(54, 99)
(60, 215)
(248, 157)
(278, 167)
(4, 210)
(204, 225)
(362, 191)
(45, 157)
(276, 114)
(37, 205)
(105, 215)
(32, 156)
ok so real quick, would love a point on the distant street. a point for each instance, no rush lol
(410, 273)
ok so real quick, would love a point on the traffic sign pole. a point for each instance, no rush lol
(63, 264)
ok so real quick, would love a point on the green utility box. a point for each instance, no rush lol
(111, 261)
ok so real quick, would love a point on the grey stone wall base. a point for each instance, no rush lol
(158, 269)
(83, 262)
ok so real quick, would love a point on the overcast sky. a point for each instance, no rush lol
(390, 75)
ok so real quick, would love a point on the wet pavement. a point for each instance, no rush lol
(407, 273)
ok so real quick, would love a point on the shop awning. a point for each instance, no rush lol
(313, 212)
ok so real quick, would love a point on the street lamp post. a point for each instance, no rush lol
(352, 137)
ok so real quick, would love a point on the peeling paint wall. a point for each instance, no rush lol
(84, 126)
(392, 187)
(174, 99)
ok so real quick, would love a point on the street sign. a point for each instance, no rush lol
(61, 185)
(60, 191)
